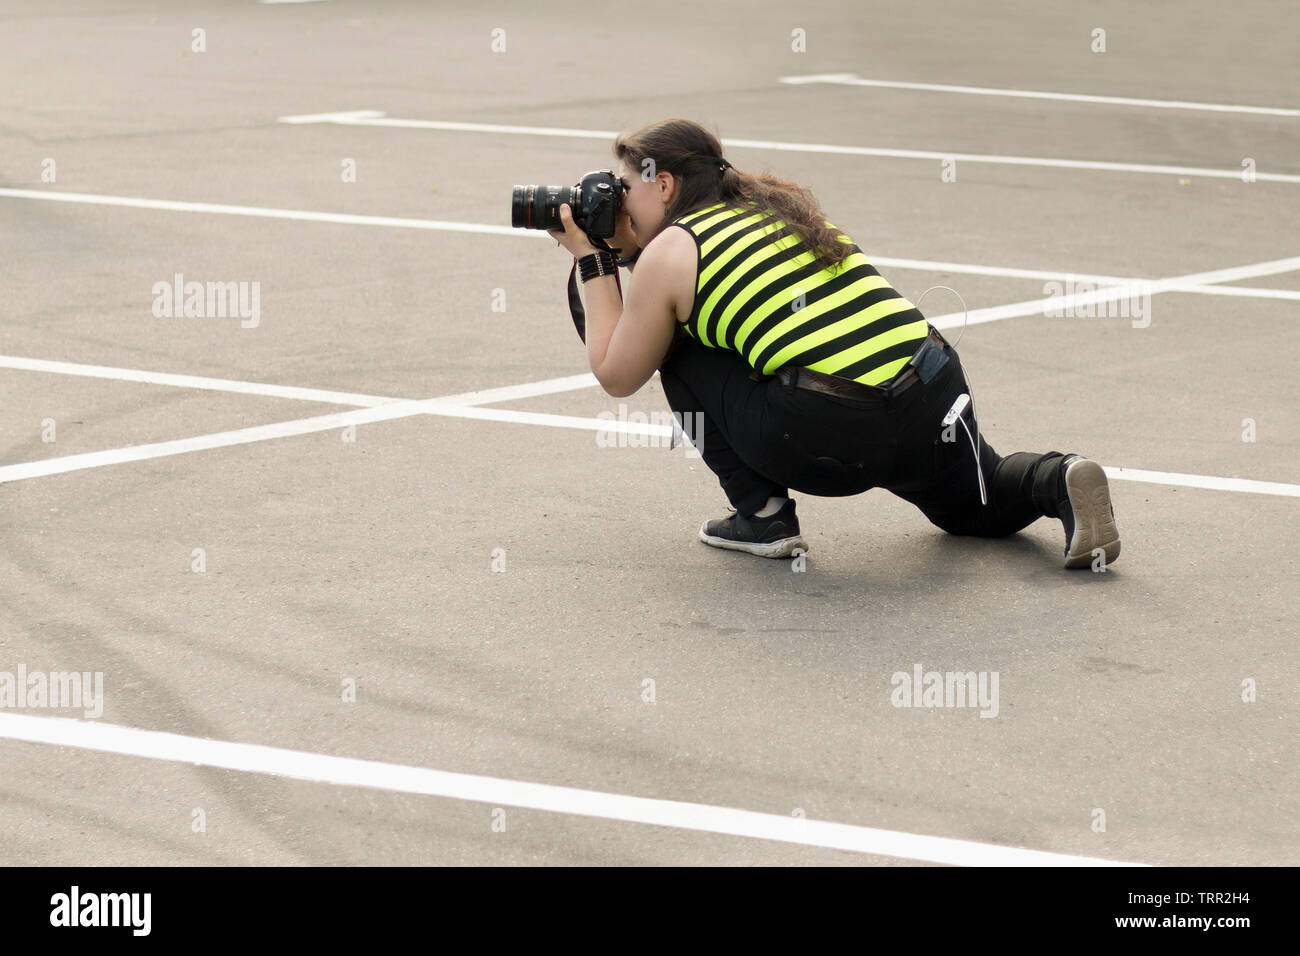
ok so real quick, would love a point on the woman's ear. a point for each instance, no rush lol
(667, 187)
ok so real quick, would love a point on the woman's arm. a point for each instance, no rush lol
(627, 341)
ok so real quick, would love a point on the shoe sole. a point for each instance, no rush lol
(1094, 516)
(771, 549)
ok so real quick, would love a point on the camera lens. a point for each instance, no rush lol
(538, 207)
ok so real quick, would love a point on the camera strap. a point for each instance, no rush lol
(575, 299)
(575, 304)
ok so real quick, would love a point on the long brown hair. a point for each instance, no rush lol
(691, 153)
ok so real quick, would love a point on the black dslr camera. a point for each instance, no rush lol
(594, 200)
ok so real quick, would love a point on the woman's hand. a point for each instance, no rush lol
(572, 238)
(624, 239)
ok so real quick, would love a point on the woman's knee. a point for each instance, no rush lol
(951, 523)
(980, 522)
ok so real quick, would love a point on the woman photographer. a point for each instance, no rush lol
(807, 370)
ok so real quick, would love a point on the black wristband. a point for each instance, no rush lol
(598, 263)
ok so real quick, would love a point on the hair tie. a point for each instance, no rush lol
(723, 165)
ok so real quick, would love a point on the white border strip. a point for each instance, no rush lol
(377, 118)
(498, 791)
(852, 79)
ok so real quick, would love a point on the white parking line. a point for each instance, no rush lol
(509, 393)
(180, 446)
(377, 118)
(167, 205)
(1244, 291)
(498, 791)
(1248, 485)
(963, 268)
(852, 79)
(265, 212)
(442, 406)
(1133, 288)
(505, 393)
(317, 423)
(193, 381)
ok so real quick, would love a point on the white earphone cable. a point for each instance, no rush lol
(974, 441)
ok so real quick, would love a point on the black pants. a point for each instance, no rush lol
(764, 438)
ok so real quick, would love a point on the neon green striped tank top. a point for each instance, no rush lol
(759, 292)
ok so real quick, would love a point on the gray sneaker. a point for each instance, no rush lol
(1087, 513)
(776, 536)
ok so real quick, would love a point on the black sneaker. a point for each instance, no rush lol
(1086, 512)
(775, 536)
